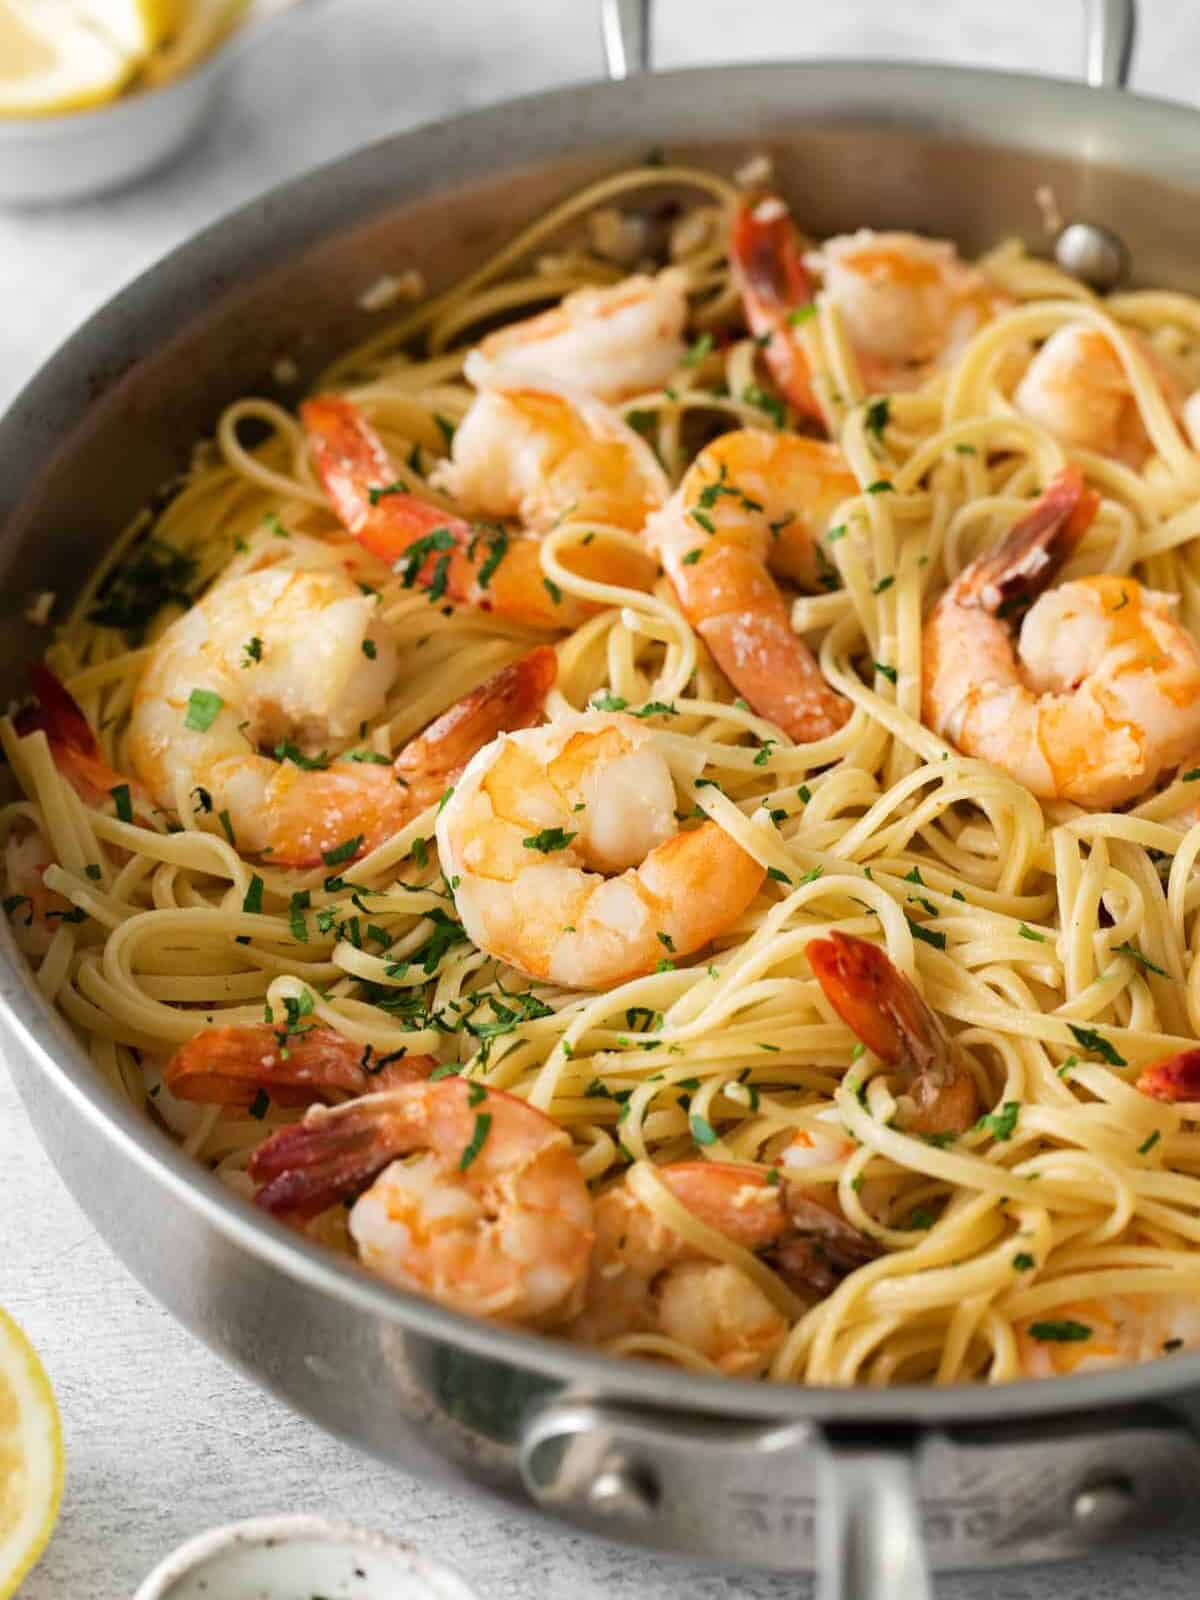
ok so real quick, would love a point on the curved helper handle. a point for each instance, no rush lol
(869, 1542)
(1110, 32)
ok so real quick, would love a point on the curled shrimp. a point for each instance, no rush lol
(232, 1066)
(541, 454)
(1077, 388)
(646, 1278)
(909, 304)
(293, 662)
(489, 568)
(539, 820)
(489, 1213)
(754, 503)
(1102, 693)
(883, 1009)
(611, 342)
(1118, 1330)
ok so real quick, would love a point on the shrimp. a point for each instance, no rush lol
(612, 342)
(490, 1214)
(1101, 695)
(540, 455)
(749, 503)
(1077, 388)
(884, 1010)
(1115, 1331)
(294, 661)
(232, 1066)
(1173, 1079)
(646, 1278)
(909, 304)
(485, 567)
(539, 818)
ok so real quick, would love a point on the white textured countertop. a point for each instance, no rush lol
(163, 1440)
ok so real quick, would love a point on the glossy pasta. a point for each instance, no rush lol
(1057, 945)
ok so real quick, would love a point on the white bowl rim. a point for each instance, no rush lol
(282, 1529)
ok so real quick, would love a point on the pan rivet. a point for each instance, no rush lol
(1094, 253)
(1104, 1504)
(622, 1488)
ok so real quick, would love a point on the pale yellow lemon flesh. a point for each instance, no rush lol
(52, 61)
(31, 1457)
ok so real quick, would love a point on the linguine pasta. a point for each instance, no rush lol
(1057, 945)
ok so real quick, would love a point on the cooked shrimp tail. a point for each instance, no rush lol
(512, 698)
(1173, 1079)
(1030, 557)
(75, 748)
(491, 1214)
(303, 1170)
(232, 1066)
(883, 1009)
(775, 285)
(820, 1247)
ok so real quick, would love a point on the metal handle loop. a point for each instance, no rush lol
(625, 25)
(1111, 31)
(869, 1543)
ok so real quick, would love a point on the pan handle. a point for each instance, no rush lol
(1110, 30)
(869, 1540)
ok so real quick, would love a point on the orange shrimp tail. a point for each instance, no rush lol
(765, 250)
(74, 746)
(874, 999)
(303, 1170)
(231, 1066)
(1030, 557)
(512, 698)
(1174, 1079)
(485, 567)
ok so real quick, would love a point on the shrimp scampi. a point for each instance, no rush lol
(465, 1194)
(1101, 695)
(568, 860)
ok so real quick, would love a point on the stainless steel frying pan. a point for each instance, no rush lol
(869, 1486)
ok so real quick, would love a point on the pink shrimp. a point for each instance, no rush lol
(231, 1066)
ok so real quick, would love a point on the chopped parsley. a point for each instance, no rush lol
(253, 899)
(369, 649)
(123, 801)
(1066, 1332)
(1149, 1142)
(252, 651)
(93, 871)
(1128, 949)
(133, 595)
(202, 708)
(1002, 1124)
(888, 672)
(608, 702)
(1098, 1045)
(881, 486)
(1029, 933)
(1023, 1261)
(763, 400)
(287, 751)
(879, 414)
(226, 822)
(703, 1131)
(926, 935)
(346, 851)
(798, 315)
(699, 350)
(883, 585)
(260, 1105)
(552, 590)
(483, 1126)
(548, 840)
(447, 428)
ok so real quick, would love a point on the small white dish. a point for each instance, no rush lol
(296, 1558)
(48, 160)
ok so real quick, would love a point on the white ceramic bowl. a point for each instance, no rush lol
(294, 1558)
(48, 160)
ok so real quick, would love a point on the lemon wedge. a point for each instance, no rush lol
(31, 1457)
(136, 27)
(51, 61)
